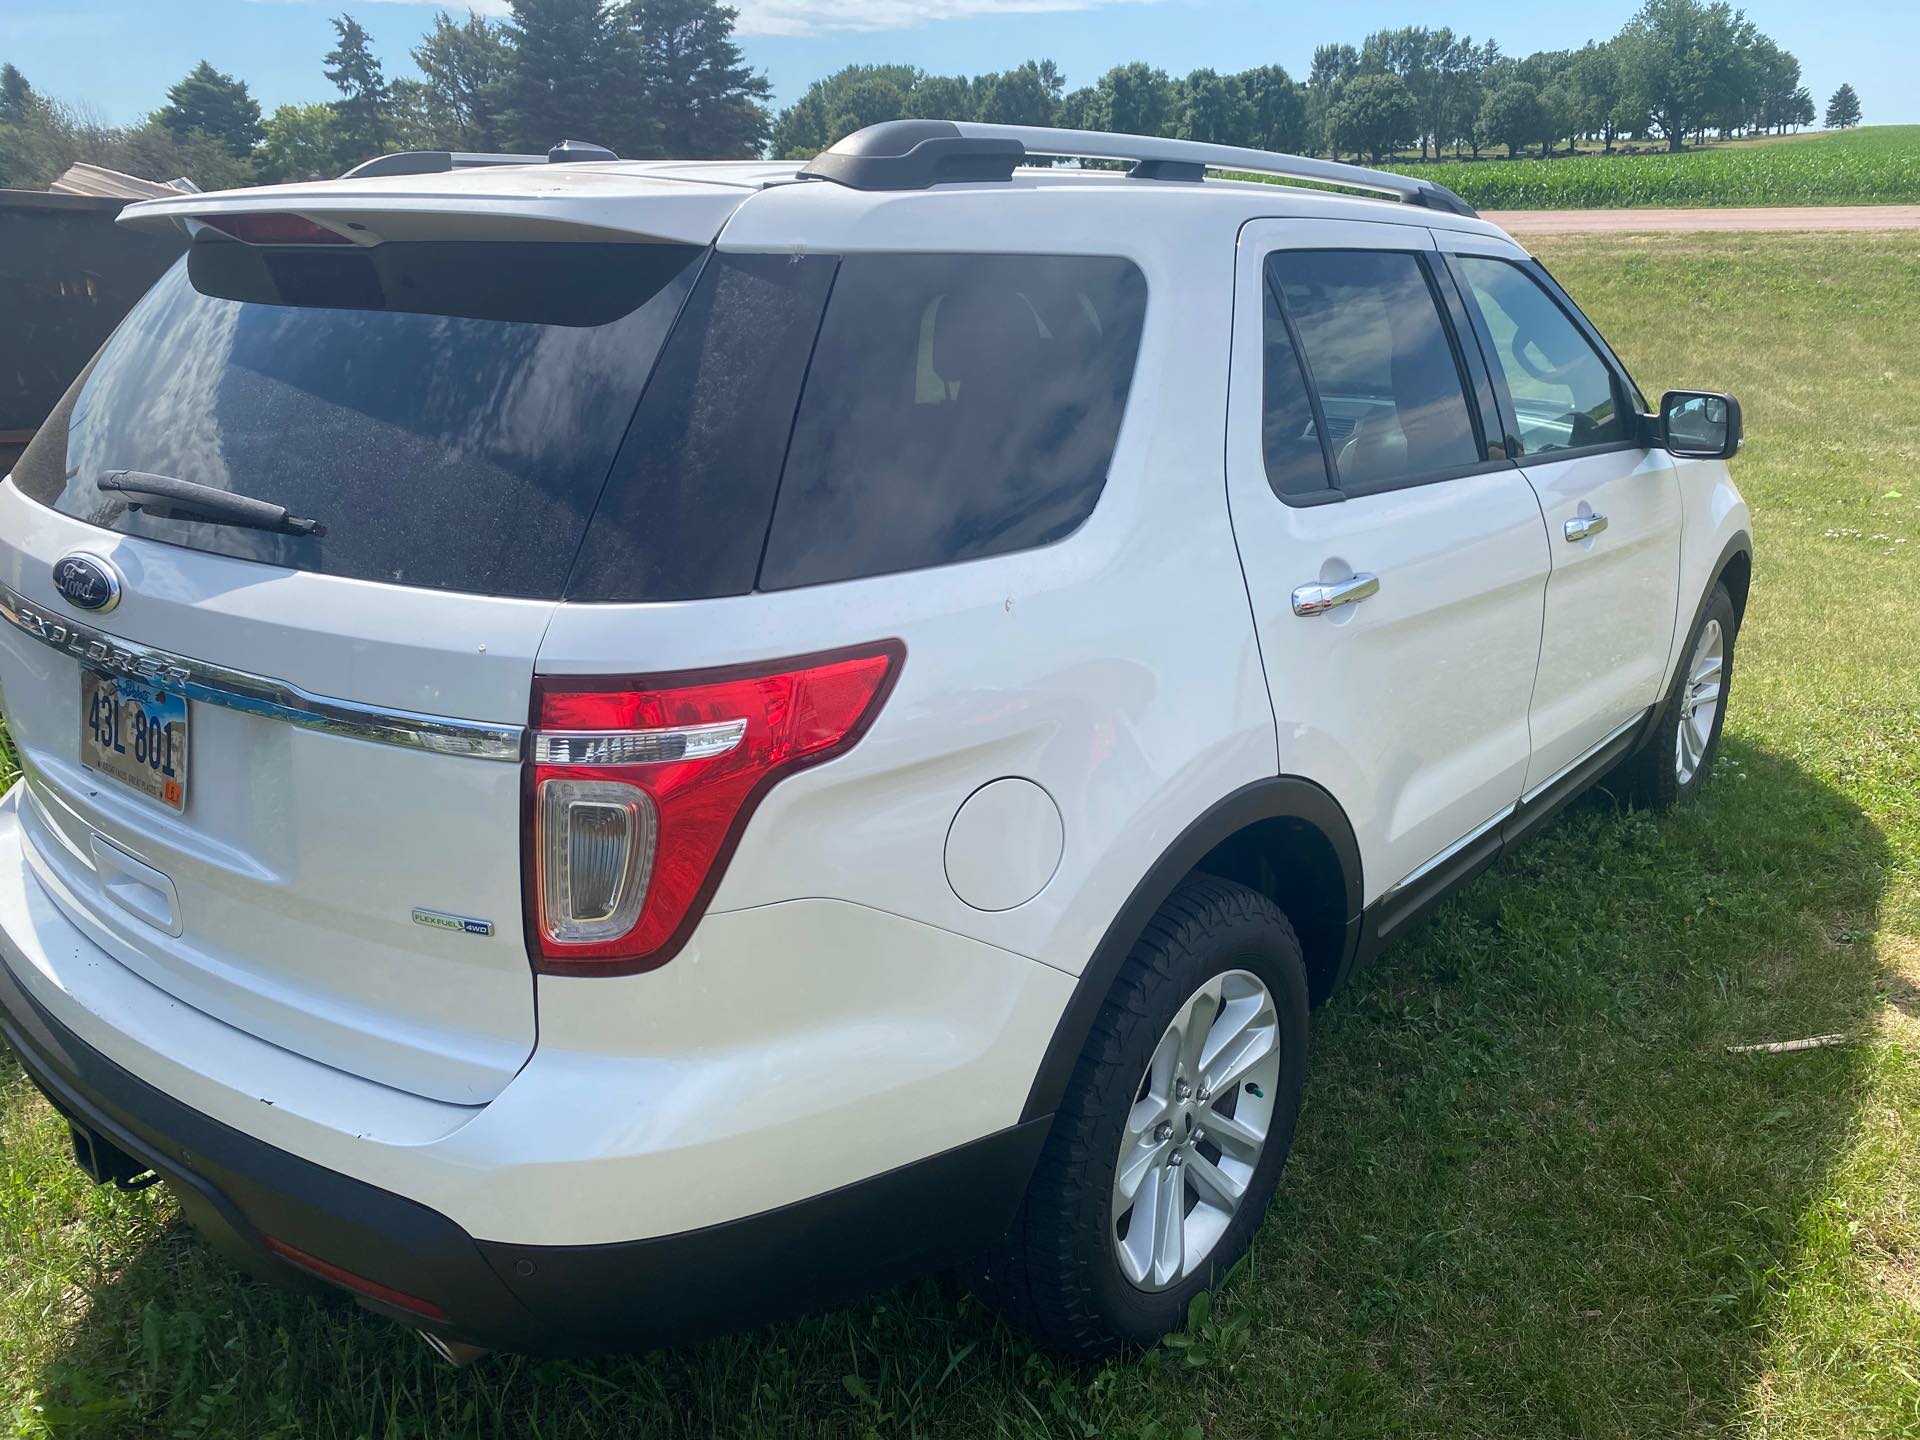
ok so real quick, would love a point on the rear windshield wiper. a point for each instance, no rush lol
(191, 501)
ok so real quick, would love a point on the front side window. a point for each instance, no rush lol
(1381, 365)
(956, 406)
(1562, 393)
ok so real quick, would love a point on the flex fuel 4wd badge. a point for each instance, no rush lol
(459, 924)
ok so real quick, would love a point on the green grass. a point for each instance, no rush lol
(1873, 166)
(1532, 1196)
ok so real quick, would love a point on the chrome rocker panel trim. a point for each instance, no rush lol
(260, 694)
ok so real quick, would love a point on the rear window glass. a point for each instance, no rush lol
(957, 406)
(448, 411)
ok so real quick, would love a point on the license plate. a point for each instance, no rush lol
(135, 732)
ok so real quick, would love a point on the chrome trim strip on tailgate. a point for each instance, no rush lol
(259, 694)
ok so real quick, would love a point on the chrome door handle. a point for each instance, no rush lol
(1319, 598)
(1584, 527)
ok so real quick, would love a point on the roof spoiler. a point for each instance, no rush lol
(915, 154)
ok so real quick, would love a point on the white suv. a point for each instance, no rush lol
(610, 750)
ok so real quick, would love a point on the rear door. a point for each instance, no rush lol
(1394, 558)
(1612, 504)
(277, 770)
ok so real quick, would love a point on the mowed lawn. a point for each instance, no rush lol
(1533, 1193)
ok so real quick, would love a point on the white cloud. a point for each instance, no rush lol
(812, 17)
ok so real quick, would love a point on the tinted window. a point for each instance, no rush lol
(447, 411)
(1562, 392)
(685, 513)
(957, 406)
(1380, 363)
(1289, 434)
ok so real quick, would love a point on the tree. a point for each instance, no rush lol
(1467, 70)
(1599, 92)
(1414, 54)
(466, 69)
(1801, 111)
(361, 110)
(807, 126)
(18, 103)
(216, 105)
(1776, 84)
(1029, 95)
(941, 97)
(1135, 99)
(302, 143)
(1685, 60)
(1843, 110)
(1374, 115)
(1215, 108)
(700, 98)
(1333, 66)
(871, 101)
(1277, 109)
(1511, 115)
(571, 78)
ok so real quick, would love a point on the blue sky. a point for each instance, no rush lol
(119, 56)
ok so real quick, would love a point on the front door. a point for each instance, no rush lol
(1612, 505)
(1394, 558)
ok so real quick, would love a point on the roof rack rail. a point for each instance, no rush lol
(434, 162)
(914, 154)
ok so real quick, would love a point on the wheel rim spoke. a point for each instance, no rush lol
(1234, 1138)
(1211, 1183)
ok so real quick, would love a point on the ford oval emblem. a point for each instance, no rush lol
(86, 581)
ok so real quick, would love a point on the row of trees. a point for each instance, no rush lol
(1678, 69)
(645, 77)
(664, 77)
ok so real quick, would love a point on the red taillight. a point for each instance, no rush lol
(640, 788)
(272, 228)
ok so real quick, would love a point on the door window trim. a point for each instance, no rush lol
(1470, 370)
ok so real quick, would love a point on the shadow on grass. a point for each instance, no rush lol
(1532, 1194)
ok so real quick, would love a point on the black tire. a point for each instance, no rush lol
(1056, 1273)
(1651, 777)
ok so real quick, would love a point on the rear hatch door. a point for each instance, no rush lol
(276, 771)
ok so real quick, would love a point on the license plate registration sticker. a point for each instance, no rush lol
(135, 732)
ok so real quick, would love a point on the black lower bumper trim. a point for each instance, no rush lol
(539, 1299)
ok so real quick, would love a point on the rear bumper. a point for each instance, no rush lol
(240, 1191)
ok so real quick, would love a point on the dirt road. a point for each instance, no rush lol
(1638, 222)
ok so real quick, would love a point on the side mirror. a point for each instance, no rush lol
(1699, 425)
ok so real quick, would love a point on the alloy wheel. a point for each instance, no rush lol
(1196, 1131)
(1700, 701)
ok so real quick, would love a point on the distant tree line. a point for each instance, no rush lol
(647, 78)
(665, 78)
(1679, 69)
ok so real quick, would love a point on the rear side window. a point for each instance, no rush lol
(448, 411)
(956, 406)
(1381, 365)
(685, 513)
(1562, 393)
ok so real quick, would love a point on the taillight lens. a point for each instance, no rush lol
(640, 789)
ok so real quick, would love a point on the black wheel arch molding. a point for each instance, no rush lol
(1286, 799)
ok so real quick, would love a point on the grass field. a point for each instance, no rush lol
(1533, 1194)
(1877, 165)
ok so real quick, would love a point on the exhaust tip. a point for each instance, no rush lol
(454, 1352)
